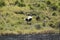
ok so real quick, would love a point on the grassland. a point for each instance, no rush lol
(13, 12)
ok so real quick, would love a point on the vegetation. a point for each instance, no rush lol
(13, 12)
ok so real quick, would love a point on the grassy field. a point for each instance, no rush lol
(13, 12)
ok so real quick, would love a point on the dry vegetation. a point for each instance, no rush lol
(13, 12)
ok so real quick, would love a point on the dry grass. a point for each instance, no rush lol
(11, 22)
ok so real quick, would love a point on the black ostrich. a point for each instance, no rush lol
(38, 18)
(28, 19)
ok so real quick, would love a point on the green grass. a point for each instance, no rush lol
(11, 21)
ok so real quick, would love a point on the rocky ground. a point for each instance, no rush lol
(31, 37)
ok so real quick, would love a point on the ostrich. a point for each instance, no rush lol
(28, 19)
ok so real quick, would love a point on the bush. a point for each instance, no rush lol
(54, 8)
(16, 2)
(1, 28)
(59, 4)
(22, 0)
(48, 2)
(2, 4)
(54, 14)
(51, 25)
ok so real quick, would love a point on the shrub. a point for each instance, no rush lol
(59, 4)
(54, 7)
(54, 14)
(48, 2)
(1, 28)
(16, 2)
(0, 22)
(2, 4)
(22, 0)
(51, 25)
